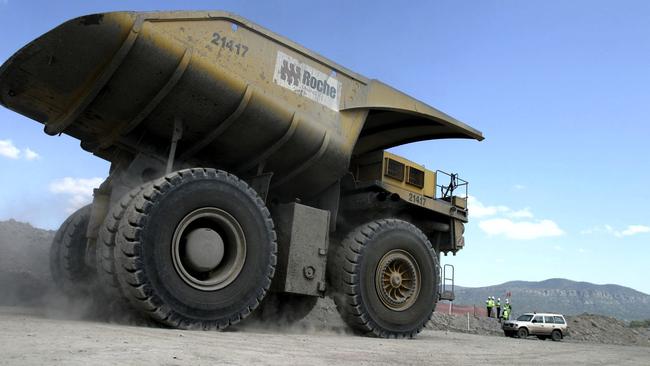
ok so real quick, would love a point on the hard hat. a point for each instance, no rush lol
(499, 299)
(507, 301)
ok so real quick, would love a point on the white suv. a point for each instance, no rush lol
(542, 325)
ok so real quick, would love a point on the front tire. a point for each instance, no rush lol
(196, 249)
(385, 279)
(522, 333)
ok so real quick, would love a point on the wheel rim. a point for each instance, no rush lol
(208, 249)
(397, 280)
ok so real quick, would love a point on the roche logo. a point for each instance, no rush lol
(307, 81)
(290, 72)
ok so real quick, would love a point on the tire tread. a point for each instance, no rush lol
(137, 285)
(345, 277)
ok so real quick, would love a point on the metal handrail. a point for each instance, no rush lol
(447, 191)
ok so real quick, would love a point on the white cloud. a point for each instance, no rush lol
(521, 214)
(79, 190)
(519, 187)
(521, 230)
(508, 221)
(478, 209)
(635, 229)
(31, 154)
(8, 150)
(608, 229)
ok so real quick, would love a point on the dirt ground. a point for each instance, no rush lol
(30, 338)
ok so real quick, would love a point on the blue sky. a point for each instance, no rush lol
(560, 89)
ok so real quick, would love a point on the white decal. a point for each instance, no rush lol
(307, 81)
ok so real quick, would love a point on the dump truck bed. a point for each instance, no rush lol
(247, 99)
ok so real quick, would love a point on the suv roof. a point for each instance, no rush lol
(549, 314)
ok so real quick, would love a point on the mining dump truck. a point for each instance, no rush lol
(247, 172)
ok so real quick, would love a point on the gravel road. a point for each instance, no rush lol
(30, 338)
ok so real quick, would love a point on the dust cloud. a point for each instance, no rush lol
(26, 286)
(26, 283)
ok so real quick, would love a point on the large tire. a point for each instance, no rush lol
(368, 294)
(285, 308)
(68, 252)
(165, 276)
(106, 274)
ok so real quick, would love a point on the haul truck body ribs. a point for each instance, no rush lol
(248, 174)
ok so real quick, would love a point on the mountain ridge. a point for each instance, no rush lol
(556, 282)
(563, 296)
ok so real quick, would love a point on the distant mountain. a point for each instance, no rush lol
(563, 296)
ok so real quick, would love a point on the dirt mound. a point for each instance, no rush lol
(459, 323)
(602, 329)
(24, 263)
(25, 249)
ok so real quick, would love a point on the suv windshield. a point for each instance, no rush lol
(525, 318)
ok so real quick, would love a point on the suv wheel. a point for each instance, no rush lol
(522, 333)
(556, 335)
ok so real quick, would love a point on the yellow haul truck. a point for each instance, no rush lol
(247, 172)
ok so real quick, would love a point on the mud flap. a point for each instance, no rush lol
(303, 237)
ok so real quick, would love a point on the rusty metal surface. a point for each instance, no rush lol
(249, 100)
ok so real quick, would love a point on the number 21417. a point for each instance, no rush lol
(229, 44)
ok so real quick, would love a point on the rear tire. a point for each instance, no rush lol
(556, 335)
(166, 272)
(385, 279)
(68, 253)
(522, 333)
